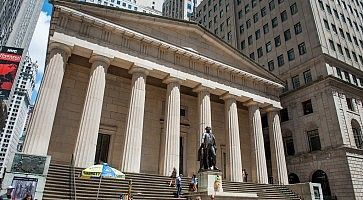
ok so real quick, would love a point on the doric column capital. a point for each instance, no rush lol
(64, 49)
(137, 69)
(202, 88)
(228, 96)
(272, 109)
(172, 79)
(100, 60)
(251, 103)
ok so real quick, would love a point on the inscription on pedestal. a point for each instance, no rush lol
(24, 163)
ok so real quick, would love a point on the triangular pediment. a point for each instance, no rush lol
(183, 34)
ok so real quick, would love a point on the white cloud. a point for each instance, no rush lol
(38, 47)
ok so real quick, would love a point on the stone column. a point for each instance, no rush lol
(204, 109)
(40, 129)
(135, 122)
(85, 150)
(279, 171)
(234, 145)
(259, 168)
(171, 139)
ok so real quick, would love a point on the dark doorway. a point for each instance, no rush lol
(103, 144)
(320, 177)
(293, 178)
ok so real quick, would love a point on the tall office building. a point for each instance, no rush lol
(18, 111)
(134, 5)
(8, 11)
(153, 4)
(182, 9)
(316, 47)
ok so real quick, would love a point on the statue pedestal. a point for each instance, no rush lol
(210, 181)
(210, 184)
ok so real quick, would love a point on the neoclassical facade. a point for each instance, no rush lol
(136, 91)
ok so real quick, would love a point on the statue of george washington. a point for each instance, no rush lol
(207, 153)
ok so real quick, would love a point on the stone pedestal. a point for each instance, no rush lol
(25, 169)
(210, 181)
(210, 185)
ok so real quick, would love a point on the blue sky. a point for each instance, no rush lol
(38, 45)
(47, 7)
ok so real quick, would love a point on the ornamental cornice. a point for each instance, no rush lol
(170, 47)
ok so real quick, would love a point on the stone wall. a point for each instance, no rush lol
(333, 163)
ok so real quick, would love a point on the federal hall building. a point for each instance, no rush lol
(136, 91)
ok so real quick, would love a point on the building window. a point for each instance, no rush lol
(271, 65)
(291, 55)
(263, 12)
(297, 28)
(258, 34)
(259, 52)
(347, 53)
(284, 115)
(274, 22)
(346, 76)
(331, 43)
(295, 82)
(289, 146)
(307, 76)
(307, 107)
(265, 29)
(287, 35)
(357, 133)
(314, 140)
(280, 60)
(326, 24)
(350, 104)
(243, 44)
(293, 9)
(283, 16)
(250, 40)
(272, 5)
(277, 41)
(255, 18)
(268, 47)
(302, 48)
(340, 50)
(252, 56)
(248, 24)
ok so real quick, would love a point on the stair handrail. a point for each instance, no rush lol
(73, 179)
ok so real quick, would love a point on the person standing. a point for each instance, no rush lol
(9, 194)
(178, 182)
(244, 175)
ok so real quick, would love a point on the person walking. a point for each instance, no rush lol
(173, 177)
(193, 183)
(178, 182)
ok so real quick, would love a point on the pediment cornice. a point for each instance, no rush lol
(118, 29)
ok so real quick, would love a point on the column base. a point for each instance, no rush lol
(25, 169)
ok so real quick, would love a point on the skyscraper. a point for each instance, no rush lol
(316, 47)
(134, 5)
(183, 9)
(18, 111)
(8, 12)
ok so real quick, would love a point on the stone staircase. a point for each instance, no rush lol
(144, 186)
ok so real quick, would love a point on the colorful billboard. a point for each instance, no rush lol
(9, 62)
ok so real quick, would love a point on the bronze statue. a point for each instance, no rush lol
(207, 153)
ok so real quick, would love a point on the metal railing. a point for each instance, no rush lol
(73, 180)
